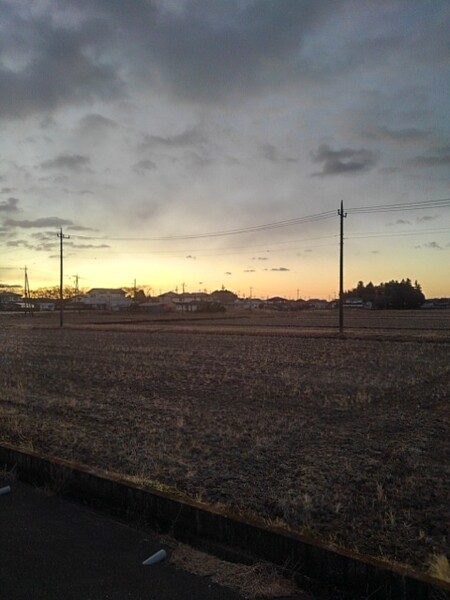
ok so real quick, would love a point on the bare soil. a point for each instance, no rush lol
(343, 438)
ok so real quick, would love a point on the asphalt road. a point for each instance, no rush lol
(53, 549)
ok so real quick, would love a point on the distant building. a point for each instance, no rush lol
(9, 300)
(106, 299)
(317, 304)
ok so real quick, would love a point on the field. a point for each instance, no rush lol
(345, 438)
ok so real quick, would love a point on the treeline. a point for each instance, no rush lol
(391, 294)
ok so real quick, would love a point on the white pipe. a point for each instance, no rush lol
(154, 558)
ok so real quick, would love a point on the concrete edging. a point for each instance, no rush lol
(198, 524)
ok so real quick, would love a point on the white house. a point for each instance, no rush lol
(107, 299)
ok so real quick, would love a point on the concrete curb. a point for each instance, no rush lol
(209, 528)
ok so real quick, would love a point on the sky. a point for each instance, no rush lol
(145, 128)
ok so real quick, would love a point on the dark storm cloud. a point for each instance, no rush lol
(43, 222)
(71, 162)
(9, 205)
(48, 64)
(345, 161)
(212, 50)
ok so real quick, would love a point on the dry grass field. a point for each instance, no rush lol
(272, 414)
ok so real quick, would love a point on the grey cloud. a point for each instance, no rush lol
(401, 136)
(9, 205)
(87, 246)
(425, 219)
(260, 258)
(249, 270)
(228, 273)
(210, 51)
(186, 139)
(399, 222)
(441, 157)
(77, 192)
(280, 269)
(96, 122)
(80, 228)
(43, 222)
(199, 50)
(144, 165)
(19, 243)
(433, 245)
(191, 257)
(344, 161)
(6, 190)
(272, 154)
(374, 252)
(71, 162)
(45, 246)
(59, 64)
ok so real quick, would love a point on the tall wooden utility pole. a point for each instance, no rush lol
(61, 268)
(26, 294)
(342, 215)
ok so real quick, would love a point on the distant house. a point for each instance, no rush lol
(248, 303)
(317, 304)
(44, 304)
(354, 303)
(106, 299)
(190, 302)
(9, 300)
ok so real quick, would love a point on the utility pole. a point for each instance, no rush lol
(342, 216)
(77, 290)
(26, 293)
(183, 286)
(62, 237)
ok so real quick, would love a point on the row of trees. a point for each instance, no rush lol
(391, 294)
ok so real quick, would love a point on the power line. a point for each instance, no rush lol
(265, 227)
(419, 205)
(380, 208)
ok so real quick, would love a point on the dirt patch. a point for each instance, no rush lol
(347, 439)
(255, 581)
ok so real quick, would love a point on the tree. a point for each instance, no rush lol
(223, 296)
(392, 294)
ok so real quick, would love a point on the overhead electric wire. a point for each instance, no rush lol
(264, 227)
(419, 205)
(380, 208)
